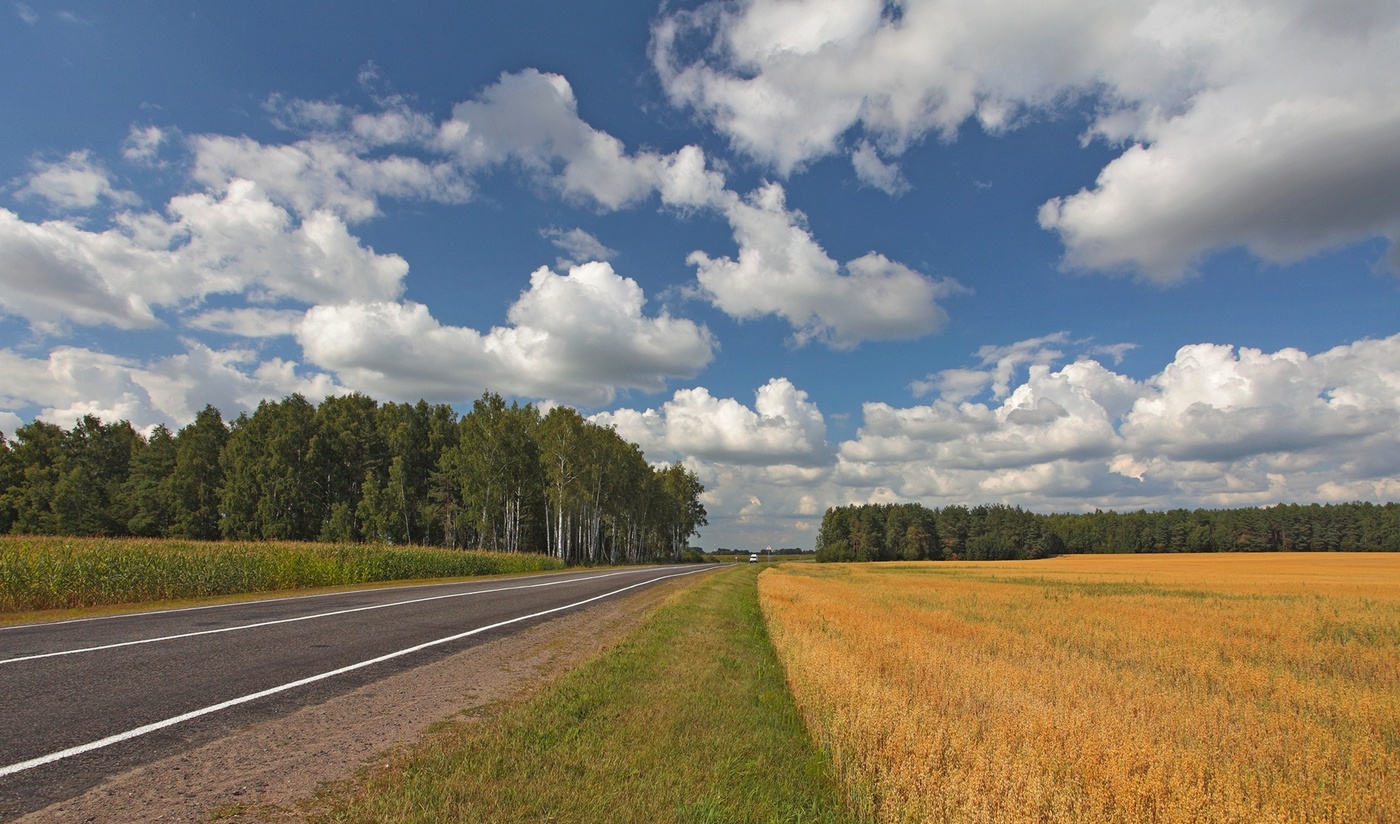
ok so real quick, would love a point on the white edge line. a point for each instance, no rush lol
(243, 699)
(139, 641)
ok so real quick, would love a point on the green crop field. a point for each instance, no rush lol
(45, 573)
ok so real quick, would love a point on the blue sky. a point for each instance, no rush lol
(1061, 255)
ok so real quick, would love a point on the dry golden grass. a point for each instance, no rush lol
(1221, 688)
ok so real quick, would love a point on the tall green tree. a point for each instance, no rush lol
(34, 470)
(146, 494)
(345, 449)
(562, 436)
(495, 467)
(269, 489)
(197, 480)
(94, 460)
(396, 506)
(684, 513)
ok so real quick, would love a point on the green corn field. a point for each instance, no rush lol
(38, 573)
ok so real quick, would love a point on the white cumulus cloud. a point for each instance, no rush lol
(576, 337)
(323, 175)
(782, 427)
(1268, 126)
(237, 243)
(142, 145)
(78, 181)
(782, 270)
(530, 118)
(73, 381)
(1218, 426)
(580, 246)
(875, 172)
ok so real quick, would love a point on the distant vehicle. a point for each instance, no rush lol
(753, 557)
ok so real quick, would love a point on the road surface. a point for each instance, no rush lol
(83, 700)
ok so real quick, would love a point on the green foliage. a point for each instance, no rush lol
(879, 532)
(197, 477)
(269, 490)
(603, 503)
(146, 493)
(394, 505)
(502, 477)
(884, 532)
(494, 476)
(50, 573)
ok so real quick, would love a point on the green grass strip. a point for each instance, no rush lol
(40, 573)
(687, 720)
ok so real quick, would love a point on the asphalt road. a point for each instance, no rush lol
(82, 700)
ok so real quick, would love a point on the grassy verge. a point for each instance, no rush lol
(687, 720)
(40, 573)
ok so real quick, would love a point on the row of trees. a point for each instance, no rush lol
(913, 532)
(887, 532)
(502, 477)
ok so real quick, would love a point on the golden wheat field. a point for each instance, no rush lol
(1212, 688)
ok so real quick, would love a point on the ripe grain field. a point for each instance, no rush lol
(1213, 688)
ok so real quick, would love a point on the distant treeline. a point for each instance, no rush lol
(787, 550)
(351, 469)
(890, 532)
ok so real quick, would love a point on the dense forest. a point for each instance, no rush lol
(351, 469)
(888, 532)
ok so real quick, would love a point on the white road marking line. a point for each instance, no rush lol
(233, 702)
(333, 613)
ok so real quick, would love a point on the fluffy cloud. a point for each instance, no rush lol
(766, 468)
(1052, 416)
(782, 270)
(1216, 427)
(531, 118)
(243, 240)
(999, 366)
(323, 174)
(580, 246)
(238, 243)
(78, 181)
(248, 322)
(783, 427)
(1216, 405)
(1268, 126)
(785, 80)
(350, 159)
(56, 272)
(271, 221)
(269, 225)
(577, 337)
(875, 172)
(73, 381)
(142, 145)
